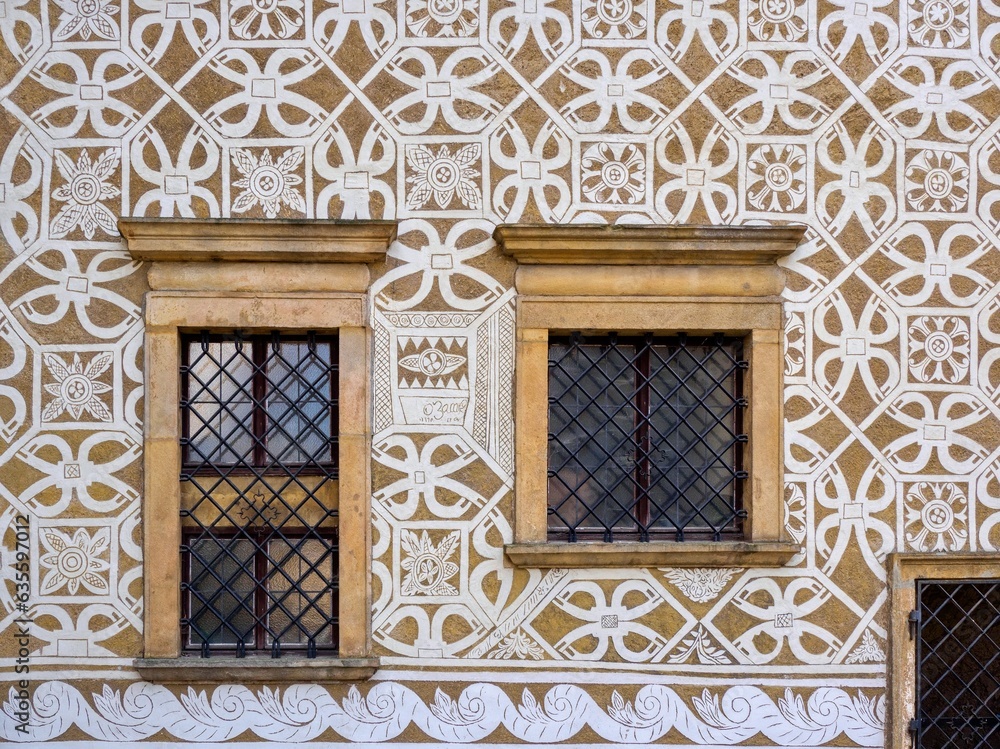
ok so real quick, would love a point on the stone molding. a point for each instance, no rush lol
(283, 240)
(600, 244)
(663, 279)
(255, 670)
(202, 279)
(652, 554)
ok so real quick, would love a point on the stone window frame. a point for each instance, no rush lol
(904, 569)
(662, 279)
(255, 276)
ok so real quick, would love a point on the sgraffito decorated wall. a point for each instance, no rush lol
(871, 121)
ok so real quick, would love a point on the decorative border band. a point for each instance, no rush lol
(304, 712)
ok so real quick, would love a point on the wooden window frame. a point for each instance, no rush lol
(255, 276)
(662, 279)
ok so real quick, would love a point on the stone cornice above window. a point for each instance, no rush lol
(599, 244)
(240, 255)
(633, 263)
(278, 240)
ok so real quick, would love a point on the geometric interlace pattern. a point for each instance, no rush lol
(872, 123)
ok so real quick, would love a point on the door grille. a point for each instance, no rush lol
(958, 665)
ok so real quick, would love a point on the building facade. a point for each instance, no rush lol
(872, 125)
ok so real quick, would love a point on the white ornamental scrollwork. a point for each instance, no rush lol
(729, 716)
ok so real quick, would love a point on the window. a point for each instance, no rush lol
(944, 650)
(645, 437)
(648, 395)
(957, 652)
(257, 449)
(258, 500)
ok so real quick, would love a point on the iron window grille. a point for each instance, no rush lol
(646, 437)
(957, 630)
(258, 486)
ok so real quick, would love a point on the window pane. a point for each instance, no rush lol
(302, 585)
(220, 391)
(643, 437)
(958, 684)
(592, 437)
(221, 591)
(692, 429)
(299, 396)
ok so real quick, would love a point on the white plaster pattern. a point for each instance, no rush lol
(303, 712)
(77, 390)
(267, 183)
(84, 192)
(87, 18)
(878, 109)
(936, 517)
(700, 585)
(869, 651)
(74, 561)
(443, 176)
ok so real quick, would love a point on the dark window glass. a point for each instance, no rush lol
(258, 492)
(645, 437)
(958, 665)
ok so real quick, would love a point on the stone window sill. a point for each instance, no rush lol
(255, 670)
(652, 554)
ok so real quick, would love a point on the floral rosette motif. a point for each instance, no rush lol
(86, 18)
(442, 18)
(935, 517)
(77, 389)
(427, 565)
(266, 183)
(74, 562)
(442, 176)
(86, 186)
(776, 178)
(939, 349)
(266, 19)
(613, 173)
(614, 19)
(937, 181)
(777, 20)
(939, 23)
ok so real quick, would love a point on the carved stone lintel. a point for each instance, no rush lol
(230, 240)
(598, 244)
